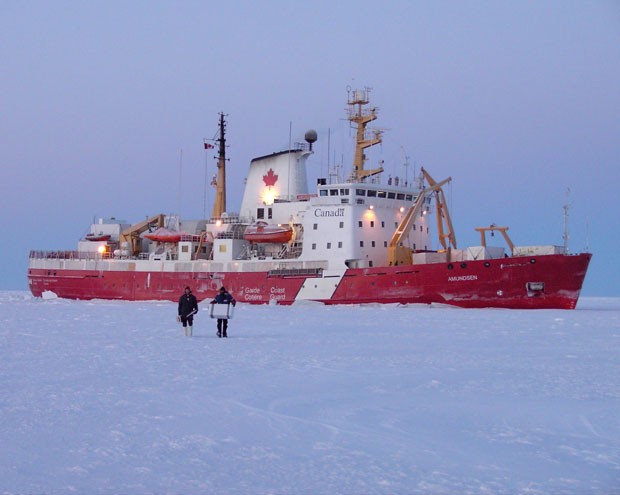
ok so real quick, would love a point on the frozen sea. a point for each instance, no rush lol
(109, 397)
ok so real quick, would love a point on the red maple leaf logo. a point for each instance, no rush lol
(270, 179)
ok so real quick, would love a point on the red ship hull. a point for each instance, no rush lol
(529, 282)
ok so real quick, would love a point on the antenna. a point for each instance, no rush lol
(180, 181)
(406, 165)
(566, 207)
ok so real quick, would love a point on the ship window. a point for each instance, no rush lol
(315, 226)
(382, 224)
(260, 213)
(360, 201)
(185, 249)
(269, 213)
(421, 228)
(344, 192)
(344, 201)
(341, 225)
(400, 196)
(384, 243)
(360, 192)
(372, 193)
(333, 192)
(373, 244)
(340, 244)
(313, 246)
(360, 224)
(427, 230)
(381, 194)
(391, 195)
(329, 245)
(370, 263)
(372, 223)
(323, 192)
(409, 197)
(361, 243)
(414, 226)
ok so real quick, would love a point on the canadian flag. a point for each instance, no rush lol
(208, 146)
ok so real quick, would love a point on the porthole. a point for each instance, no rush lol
(450, 266)
(463, 265)
(532, 261)
(487, 264)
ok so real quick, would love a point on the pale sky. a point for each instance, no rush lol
(104, 106)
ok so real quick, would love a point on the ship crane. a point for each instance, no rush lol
(401, 255)
(131, 234)
(492, 228)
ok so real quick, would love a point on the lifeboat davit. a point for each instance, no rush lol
(162, 234)
(262, 232)
(97, 237)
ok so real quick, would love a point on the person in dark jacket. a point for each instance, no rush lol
(188, 307)
(223, 297)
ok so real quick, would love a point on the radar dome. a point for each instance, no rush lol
(311, 136)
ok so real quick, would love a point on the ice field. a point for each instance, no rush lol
(109, 397)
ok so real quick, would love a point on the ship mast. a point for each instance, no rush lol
(219, 205)
(362, 116)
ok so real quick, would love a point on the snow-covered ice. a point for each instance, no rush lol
(109, 397)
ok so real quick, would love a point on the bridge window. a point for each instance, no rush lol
(360, 192)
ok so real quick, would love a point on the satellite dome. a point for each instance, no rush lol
(311, 136)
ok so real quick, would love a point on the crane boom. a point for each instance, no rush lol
(401, 255)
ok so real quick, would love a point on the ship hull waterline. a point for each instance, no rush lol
(528, 282)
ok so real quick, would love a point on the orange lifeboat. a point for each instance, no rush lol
(262, 232)
(164, 235)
